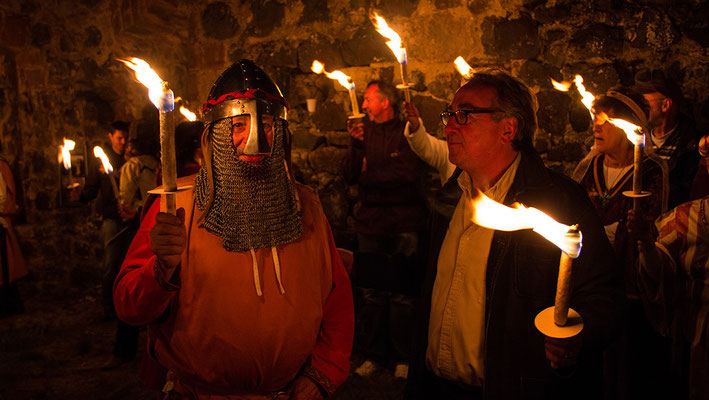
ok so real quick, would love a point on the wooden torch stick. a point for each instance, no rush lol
(167, 147)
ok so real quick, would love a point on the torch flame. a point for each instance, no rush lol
(586, 97)
(66, 149)
(463, 68)
(562, 86)
(493, 215)
(188, 114)
(317, 67)
(145, 75)
(394, 42)
(339, 76)
(632, 131)
(98, 152)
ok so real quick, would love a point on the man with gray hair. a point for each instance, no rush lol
(477, 338)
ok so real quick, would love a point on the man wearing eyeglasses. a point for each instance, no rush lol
(477, 337)
(674, 135)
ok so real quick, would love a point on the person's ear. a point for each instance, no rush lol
(509, 129)
(666, 104)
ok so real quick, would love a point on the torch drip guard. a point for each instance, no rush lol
(544, 322)
(632, 194)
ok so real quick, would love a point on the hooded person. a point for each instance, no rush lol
(243, 291)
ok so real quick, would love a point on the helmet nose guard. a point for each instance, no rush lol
(245, 89)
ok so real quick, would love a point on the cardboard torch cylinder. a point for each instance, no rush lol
(404, 84)
(563, 290)
(353, 100)
(637, 174)
(167, 147)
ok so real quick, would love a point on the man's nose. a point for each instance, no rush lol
(451, 127)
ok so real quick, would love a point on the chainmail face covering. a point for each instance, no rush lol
(253, 206)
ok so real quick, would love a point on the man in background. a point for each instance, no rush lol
(674, 134)
(388, 222)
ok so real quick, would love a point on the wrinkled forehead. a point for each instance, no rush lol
(474, 96)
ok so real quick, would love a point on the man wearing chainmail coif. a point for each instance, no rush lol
(243, 291)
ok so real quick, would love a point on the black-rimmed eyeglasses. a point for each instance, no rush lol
(461, 116)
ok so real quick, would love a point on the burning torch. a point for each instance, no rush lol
(558, 321)
(65, 158)
(344, 80)
(163, 98)
(108, 168)
(397, 48)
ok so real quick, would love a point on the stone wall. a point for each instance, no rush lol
(59, 78)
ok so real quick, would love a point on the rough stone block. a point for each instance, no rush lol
(365, 47)
(553, 114)
(32, 79)
(566, 151)
(41, 35)
(218, 21)
(266, 16)
(92, 36)
(210, 53)
(334, 203)
(275, 54)
(579, 117)
(695, 24)
(327, 159)
(337, 138)
(596, 40)
(430, 112)
(320, 48)
(304, 139)
(445, 85)
(395, 8)
(444, 4)
(314, 11)
(514, 38)
(330, 116)
(655, 31)
(14, 30)
(535, 73)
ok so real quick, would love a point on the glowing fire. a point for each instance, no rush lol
(145, 75)
(339, 76)
(586, 97)
(188, 114)
(562, 86)
(632, 131)
(463, 68)
(394, 42)
(98, 152)
(66, 149)
(493, 215)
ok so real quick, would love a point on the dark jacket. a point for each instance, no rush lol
(521, 281)
(683, 161)
(390, 187)
(98, 184)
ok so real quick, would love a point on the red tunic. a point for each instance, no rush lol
(16, 263)
(217, 334)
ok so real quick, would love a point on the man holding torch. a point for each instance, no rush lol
(477, 337)
(243, 291)
(392, 213)
(98, 185)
